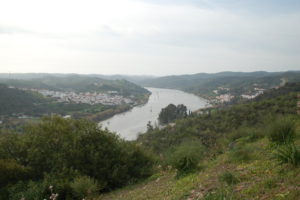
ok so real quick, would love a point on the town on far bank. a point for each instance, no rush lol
(21, 105)
(109, 98)
(223, 95)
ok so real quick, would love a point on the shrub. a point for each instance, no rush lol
(58, 146)
(220, 194)
(186, 157)
(29, 190)
(246, 133)
(282, 131)
(11, 172)
(228, 178)
(41, 189)
(84, 186)
(241, 154)
(288, 153)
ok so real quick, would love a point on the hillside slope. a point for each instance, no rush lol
(18, 101)
(238, 82)
(78, 83)
(240, 161)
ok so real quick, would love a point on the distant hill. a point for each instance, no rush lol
(240, 160)
(17, 101)
(27, 76)
(238, 82)
(77, 83)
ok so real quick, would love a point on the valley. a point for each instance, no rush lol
(246, 148)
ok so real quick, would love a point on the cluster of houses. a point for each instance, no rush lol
(227, 97)
(258, 91)
(224, 98)
(109, 98)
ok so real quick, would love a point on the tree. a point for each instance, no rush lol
(149, 126)
(61, 146)
(171, 113)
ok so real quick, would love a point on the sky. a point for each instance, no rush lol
(149, 37)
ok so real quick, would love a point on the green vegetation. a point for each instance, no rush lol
(248, 150)
(215, 123)
(17, 101)
(203, 84)
(282, 131)
(186, 157)
(18, 105)
(84, 186)
(288, 153)
(78, 83)
(228, 178)
(171, 113)
(68, 154)
(240, 159)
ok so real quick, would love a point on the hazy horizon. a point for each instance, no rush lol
(146, 75)
(149, 37)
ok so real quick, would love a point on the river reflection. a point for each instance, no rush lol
(130, 123)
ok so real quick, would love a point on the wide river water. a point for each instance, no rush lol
(129, 124)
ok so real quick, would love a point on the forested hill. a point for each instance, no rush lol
(17, 101)
(250, 150)
(214, 123)
(77, 83)
(79, 96)
(237, 82)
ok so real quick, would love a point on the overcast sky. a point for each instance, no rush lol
(157, 37)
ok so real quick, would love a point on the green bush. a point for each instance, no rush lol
(247, 134)
(228, 177)
(11, 172)
(29, 191)
(40, 189)
(84, 186)
(288, 153)
(186, 157)
(60, 146)
(282, 131)
(241, 154)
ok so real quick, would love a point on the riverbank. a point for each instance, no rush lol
(131, 123)
(119, 110)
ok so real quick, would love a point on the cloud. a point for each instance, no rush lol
(150, 36)
(260, 7)
(12, 30)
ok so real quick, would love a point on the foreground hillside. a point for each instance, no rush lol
(249, 151)
(254, 175)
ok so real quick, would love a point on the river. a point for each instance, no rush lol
(129, 124)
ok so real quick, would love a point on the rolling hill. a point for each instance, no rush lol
(203, 84)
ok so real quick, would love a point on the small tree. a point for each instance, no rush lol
(149, 126)
(171, 113)
(282, 131)
(186, 157)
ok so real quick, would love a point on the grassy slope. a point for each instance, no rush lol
(259, 178)
(259, 175)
